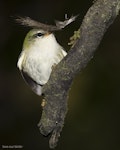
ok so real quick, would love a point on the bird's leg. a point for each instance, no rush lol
(43, 103)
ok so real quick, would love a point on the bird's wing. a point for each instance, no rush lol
(37, 88)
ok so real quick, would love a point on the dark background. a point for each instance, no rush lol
(92, 122)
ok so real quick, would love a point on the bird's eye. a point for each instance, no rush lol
(39, 34)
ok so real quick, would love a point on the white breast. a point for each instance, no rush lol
(39, 59)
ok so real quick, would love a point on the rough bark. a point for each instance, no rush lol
(95, 23)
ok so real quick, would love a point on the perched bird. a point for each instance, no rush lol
(40, 53)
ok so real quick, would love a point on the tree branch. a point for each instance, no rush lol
(97, 20)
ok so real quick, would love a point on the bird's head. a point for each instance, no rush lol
(36, 37)
(42, 33)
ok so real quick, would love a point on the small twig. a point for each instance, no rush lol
(27, 21)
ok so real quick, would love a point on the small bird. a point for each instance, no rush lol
(40, 53)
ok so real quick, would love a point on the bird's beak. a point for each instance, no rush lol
(48, 33)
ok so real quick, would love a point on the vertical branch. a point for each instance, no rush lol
(97, 20)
